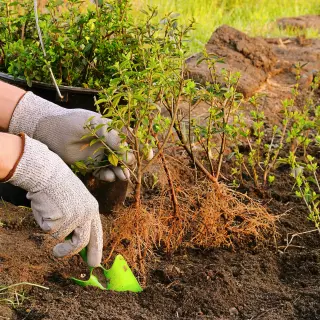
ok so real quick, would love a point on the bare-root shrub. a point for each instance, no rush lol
(207, 216)
(213, 215)
(138, 232)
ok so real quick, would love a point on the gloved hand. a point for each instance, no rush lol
(60, 202)
(62, 129)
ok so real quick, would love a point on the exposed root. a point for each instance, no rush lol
(293, 236)
(135, 234)
(205, 217)
(228, 218)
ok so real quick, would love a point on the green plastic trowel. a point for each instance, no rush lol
(119, 277)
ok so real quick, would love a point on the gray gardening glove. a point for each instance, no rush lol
(62, 129)
(60, 202)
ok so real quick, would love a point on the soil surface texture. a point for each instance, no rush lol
(266, 282)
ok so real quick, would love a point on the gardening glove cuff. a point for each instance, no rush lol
(62, 131)
(60, 202)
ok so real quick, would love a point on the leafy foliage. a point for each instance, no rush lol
(145, 77)
(82, 42)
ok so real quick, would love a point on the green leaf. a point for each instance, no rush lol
(98, 150)
(101, 101)
(113, 159)
(80, 165)
(94, 141)
(90, 119)
(271, 179)
(99, 126)
(89, 135)
(116, 100)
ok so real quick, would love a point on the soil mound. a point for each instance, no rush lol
(252, 57)
(301, 22)
(267, 66)
(289, 52)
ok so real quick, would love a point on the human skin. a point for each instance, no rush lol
(9, 98)
(11, 149)
(10, 145)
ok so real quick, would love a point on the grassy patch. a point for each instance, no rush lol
(251, 16)
(14, 295)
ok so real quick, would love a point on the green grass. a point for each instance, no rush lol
(255, 17)
(13, 294)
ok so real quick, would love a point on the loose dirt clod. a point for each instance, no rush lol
(266, 65)
(241, 53)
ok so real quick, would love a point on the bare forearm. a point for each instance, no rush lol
(9, 97)
(10, 152)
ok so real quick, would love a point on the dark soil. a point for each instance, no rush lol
(268, 282)
(252, 283)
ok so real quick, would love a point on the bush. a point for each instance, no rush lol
(82, 42)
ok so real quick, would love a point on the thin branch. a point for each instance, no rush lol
(169, 132)
(170, 182)
(296, 235)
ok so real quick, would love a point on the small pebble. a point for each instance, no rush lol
(233, 311)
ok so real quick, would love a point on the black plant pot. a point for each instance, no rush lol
(109, 194)
(73, 97)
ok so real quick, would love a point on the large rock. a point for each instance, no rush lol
(301, 22)
(252, 57)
